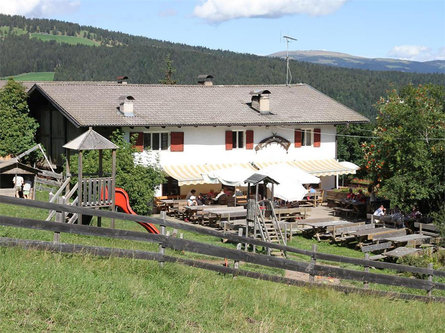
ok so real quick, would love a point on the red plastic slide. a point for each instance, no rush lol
(122, 201)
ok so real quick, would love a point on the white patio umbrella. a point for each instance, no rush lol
(285, 173)
(289, 191)
(233, 176)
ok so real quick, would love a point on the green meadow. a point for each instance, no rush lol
(44, 291)
(33, 76)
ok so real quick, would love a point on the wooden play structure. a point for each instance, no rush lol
(261, 212)
(96, 191)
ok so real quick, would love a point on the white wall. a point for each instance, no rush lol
(207, 145)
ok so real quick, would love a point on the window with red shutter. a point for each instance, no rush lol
(139, 142)
(229, 140)
(317, 137)
(297, 138)
(249, 139)
(177, 141)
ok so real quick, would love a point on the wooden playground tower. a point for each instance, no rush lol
(92, 192)
(261, 212)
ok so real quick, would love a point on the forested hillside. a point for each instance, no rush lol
(37, 45)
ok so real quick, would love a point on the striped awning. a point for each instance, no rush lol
(326, 167)
(192, 174)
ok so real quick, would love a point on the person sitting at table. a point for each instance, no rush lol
(360, 196)
(398, 217)
(310, 190)
(351, 195)
(192, 201)
(221, 197)
(200, 199)
(192, 192)
(415, 214)
(380, 211)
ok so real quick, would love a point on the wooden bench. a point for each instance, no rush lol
(428, 229)
(345, 211)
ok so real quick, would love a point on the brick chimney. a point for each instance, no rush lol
(122, 79)
(205, 79)
(126, 106)
(260, 101)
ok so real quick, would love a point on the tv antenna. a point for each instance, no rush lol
(288, 73)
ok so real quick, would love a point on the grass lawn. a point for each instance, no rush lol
(72, 40)
(33, 76)
(43, 291)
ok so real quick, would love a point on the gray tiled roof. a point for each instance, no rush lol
(96, 104)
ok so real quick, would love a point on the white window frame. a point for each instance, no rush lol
(304, 135)
(160, 140)
(237, 131)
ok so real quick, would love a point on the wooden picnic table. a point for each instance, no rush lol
(413, 239)
(291, 212)
(377, 233)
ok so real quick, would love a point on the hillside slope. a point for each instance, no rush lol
(143, 61)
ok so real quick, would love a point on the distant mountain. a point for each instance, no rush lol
(377, 64)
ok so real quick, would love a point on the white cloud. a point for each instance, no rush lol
(224, 10)
(416, 53)
(37, 8)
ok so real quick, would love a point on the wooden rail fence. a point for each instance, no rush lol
(164, 241)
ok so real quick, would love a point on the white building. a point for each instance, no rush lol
(194, 129)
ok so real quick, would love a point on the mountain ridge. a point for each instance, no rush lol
(344, 60)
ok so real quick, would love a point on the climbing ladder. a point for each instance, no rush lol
(65, 200)
(267, 226)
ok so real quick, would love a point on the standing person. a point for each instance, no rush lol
(18, 183)
(27, 189)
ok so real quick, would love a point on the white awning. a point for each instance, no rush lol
(192, 174)
(326, 167)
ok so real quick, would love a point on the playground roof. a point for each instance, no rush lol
(90, 140)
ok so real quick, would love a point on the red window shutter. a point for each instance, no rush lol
(317, 137)
(297, 138)
(177, 141)
(139, 143)
(229, 140)
(249, 139)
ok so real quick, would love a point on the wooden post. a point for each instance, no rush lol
(238, 247)
(366, 283)
(313, 263)
(161, 247)
(113, 185)
(430, 278)
(59, 219)
(79, 187)
(34, 188)
(100, 184)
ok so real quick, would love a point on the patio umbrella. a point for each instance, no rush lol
(289, 191)
(285, 173)
(233, 176)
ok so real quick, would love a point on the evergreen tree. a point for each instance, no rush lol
(169, 71)
(17, 128)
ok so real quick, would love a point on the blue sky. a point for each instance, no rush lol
(408, 29)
